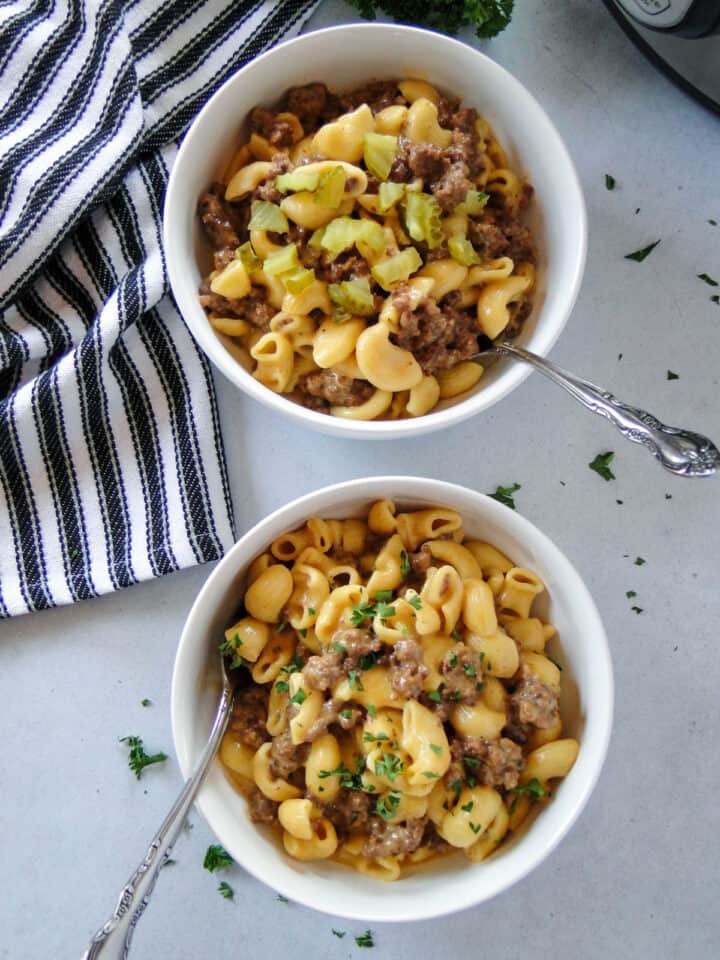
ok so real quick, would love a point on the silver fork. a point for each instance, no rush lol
(682, 452)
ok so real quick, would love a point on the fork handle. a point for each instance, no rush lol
(679, 451)
(112, 940)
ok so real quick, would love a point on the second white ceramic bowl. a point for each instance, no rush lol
(448, 884)
(344, 58)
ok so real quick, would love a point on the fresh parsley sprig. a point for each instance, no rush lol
(138, 759)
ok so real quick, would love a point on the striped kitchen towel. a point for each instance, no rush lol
(111, 458)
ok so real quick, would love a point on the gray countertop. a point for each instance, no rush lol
(637, 876)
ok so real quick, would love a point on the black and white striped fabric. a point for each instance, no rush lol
(111, 458)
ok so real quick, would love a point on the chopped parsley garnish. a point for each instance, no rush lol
(311, 611)
(456, 786)
(609, 182)
(225, 890)
(368, 660)
(469, 670)
(354, 680)
(630, 594)
(430, 775)
(533, 788)
(639, 255)
(475, 827)
(639, 561)
(338, 933)
(339, 647)
(467, 807)
(708, 280)
(374, 737)
(456, 636)
(452, 660)
(405, 565)
(415, 602)
(505, 495)
(385, 610)
(217, 858)
(435, 696)
(715, 298)
(145, 702)
(390, 766)
(470, 762)
(362, 612)
(280, 627)
(672, 376)
(713, 223)
(601, 465)
(386, 807)
(282, 899)
(637, 609)
(348, 779)
(365, 940)
(138, 759)
(346, 714)
(436, 748)
(299, 697)
(383, 596)
(303, 632)
(282, 686)
(371, 710)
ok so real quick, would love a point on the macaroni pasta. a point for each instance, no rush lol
(400, 706)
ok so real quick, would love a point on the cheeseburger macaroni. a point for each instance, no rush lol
(364, 246)
(401, 704)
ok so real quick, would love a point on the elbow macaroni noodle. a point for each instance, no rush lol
(401, 707)
(393, 344)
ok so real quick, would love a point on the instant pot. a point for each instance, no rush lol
(681, 37)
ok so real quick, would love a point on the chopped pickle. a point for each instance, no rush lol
(297, 280)
(267, 216)
(474, 203)
(353, 296)
(462, 251)
(422, 218)
(246, 253)
(379, 152)
(388, 195)
(297, 180)
(343, 232)
(397, 268)
(330, 188)
(280, 261)
(315, 240)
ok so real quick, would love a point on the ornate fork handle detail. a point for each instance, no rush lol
(112, 940)
(682, 452)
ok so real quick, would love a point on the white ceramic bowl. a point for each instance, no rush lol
(449, 884)
(344, 58)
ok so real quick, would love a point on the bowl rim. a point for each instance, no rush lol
(514, 373)
(578, 596)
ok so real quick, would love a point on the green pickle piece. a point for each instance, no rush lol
(379, 151)
(331, 188)
(280, 261)
(397, 268)
(388, 195)
(267, 216)
(297, 280)
(344, 232)
(422, 218)
(249, 258)
(297, 180)
(353, 296)
(462, 251)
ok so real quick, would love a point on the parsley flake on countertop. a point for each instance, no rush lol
(138, 759)
(217, 858)
(225, 890)
(601, 465)
(505, 495)
(610, 182)
(639, 561)
(637, 609)
(281, 899)
(630, 594)
(713, 223)
(365, 940)
(708, 280)
(715, 298)
(145, 702)
(672, 376)
(639, 255)
(338, 933)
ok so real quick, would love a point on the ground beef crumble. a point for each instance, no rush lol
(439, 337)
